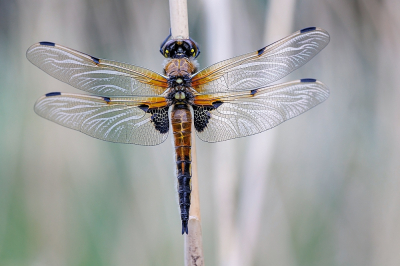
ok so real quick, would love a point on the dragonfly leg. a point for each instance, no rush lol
(163, 43)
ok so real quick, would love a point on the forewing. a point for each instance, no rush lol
(94, 75)
(123, 120)
(257, 69)
(233, 115)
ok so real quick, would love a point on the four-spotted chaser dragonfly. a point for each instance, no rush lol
(227, 100)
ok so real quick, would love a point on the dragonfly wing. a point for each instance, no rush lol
(259, 68)
(121, 120)
(233, 115)
(94, 75)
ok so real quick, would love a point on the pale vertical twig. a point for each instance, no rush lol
(259, 154)
(193, 243)
(179, 18)
(218, 21)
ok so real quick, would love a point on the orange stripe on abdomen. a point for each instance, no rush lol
(181, 120)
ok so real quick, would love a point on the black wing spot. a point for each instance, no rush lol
(261, 51)
(308, 29)
(96, 60)
(202, 116)
(159, 117)
(48, 43)
(144, 107)
(216, 104)
(107, 99)
(252, 92)
(308, 80)
(53, 94)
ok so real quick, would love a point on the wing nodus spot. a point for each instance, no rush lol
(108, 100)
(95, 60)
(261, 51)
(253, 92)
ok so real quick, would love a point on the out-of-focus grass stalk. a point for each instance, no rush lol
(259, 154)
(219, 28)
(179, 18)
(193, 243)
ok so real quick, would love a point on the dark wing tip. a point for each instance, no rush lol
(53, 94)
(308, 80)
(47, 43)
(308, 29)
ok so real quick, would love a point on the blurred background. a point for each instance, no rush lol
(320, 189)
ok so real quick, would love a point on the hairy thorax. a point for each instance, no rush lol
(179, 72)
(180, 67)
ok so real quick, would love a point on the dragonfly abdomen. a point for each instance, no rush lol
(181, 120)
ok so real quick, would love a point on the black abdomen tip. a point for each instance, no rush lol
(308, 29)
(53, 94)
(48, 43)
(185, 227)
(308, 80)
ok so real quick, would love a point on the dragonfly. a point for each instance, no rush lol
(230, 99)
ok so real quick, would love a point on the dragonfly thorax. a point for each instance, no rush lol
(180, 95)
(180, 81)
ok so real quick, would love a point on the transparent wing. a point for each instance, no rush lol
(233, 115)
(257, 69)
(97, 76)
(120, 120)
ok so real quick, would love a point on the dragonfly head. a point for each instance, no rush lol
(178, 48)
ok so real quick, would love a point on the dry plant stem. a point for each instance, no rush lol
(179, 18)
(260, 152)
(193, 241)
